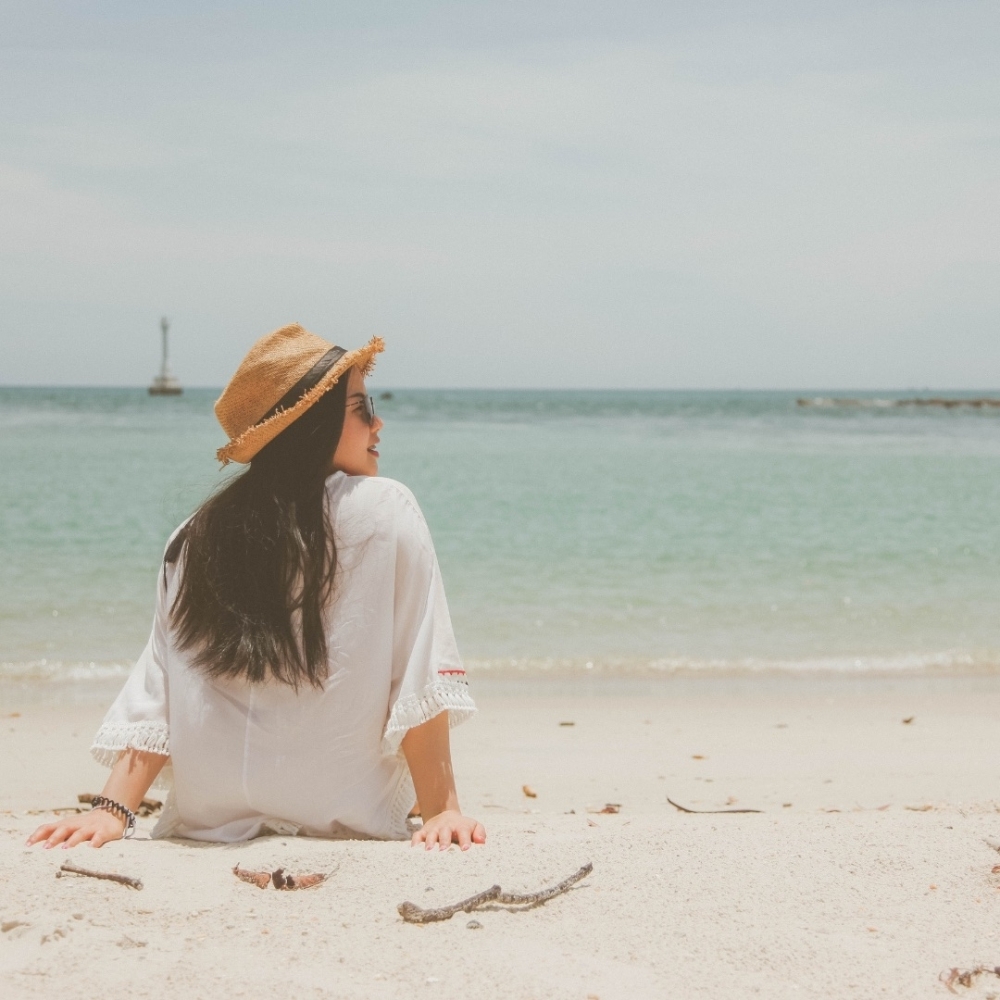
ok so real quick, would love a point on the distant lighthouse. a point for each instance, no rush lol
(165, 384)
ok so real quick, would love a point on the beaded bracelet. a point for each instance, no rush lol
(116, 808)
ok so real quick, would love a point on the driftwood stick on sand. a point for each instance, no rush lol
(537, 898)
(709, 812)
(132, 883)
(414, 914)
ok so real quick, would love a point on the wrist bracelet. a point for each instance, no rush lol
(117, 809)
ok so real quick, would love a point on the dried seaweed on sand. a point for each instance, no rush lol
(967, 977)
(279, 879)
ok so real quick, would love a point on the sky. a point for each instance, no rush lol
(513, 193)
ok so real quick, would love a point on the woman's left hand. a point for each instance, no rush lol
(447, 828)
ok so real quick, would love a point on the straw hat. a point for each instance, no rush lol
(282, 375)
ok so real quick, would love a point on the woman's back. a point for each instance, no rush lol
(325, 761)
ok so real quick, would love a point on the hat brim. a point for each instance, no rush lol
(243, 448)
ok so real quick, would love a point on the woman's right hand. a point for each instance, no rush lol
(97, 826)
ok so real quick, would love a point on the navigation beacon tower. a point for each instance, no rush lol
(165, 384)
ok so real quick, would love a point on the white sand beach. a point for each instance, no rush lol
(867, 872)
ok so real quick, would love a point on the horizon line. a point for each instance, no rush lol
(603, 389)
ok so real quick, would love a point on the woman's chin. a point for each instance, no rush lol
(368, 466)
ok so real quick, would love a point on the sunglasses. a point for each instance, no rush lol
(366, 409)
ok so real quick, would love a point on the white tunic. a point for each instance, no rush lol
(326, 763)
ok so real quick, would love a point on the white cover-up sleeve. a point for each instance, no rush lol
(138, 718)
(427, 673)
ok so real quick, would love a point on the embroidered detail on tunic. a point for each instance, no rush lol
(115, 737)
(450, 695)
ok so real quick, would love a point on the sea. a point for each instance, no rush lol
(579, 533)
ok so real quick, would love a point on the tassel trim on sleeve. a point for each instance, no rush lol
(442, 695)
(114, 738)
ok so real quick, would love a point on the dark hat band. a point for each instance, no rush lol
(307, 382)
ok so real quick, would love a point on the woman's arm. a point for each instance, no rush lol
(130, 778)
(428, 754)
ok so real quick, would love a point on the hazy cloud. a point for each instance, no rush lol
(512, 194)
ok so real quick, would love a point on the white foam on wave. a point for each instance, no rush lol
(944, 662)
(62, 671)
(45, 672)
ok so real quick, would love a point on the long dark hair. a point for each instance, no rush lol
(260, 559)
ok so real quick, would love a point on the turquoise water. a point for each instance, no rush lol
(626, 530)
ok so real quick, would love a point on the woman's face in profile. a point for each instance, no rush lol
(356, 452)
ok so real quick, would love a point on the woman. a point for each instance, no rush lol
(302, 672)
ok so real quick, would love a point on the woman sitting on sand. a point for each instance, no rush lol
(302, 671)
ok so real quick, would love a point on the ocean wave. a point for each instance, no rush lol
(945, 662)
(44, 672)
(62, 671)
